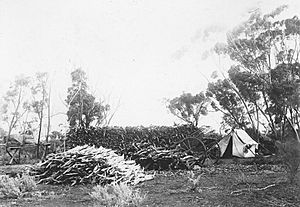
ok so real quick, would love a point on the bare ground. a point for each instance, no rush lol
(226, 184)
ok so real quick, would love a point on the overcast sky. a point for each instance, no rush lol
(135, 52)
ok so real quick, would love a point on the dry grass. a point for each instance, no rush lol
(242, 178)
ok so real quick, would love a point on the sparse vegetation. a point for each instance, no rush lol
(217, 186)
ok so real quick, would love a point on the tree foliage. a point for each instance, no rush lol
(262, 86)
(189, 108)
(228, 102)
(15, 105)
(39, 92)
(83, 109)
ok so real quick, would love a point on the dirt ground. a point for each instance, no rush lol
(227, 184)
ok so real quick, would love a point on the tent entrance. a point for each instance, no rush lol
(228, 151)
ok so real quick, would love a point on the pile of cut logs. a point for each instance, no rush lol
(88, 165)
(159, 158)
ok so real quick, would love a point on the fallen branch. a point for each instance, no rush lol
(269, 186)
(238, 192)
(209, 188)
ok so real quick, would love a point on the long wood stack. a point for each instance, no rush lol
(85, 164)
(122, 139)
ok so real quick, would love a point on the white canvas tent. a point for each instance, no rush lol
(238, 143)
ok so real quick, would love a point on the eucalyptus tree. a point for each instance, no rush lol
(83, 109)
(39, 103)
(265, 73)
(15, 103)
(188, 107)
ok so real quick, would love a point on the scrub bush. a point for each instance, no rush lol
(289, 153)
(120, 195)
(15, 187)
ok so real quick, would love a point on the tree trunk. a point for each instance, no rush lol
(39, 136)
(40, 126)
(49, 118)
(271, 121)
(14, 118)
(294, 129)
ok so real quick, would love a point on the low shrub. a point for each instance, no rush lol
(27, 183)
(16, 187)
(242, 178)
(119, 195)
(194, 180)
(290, 155)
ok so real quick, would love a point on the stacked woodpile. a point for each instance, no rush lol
(151, 147)
(88, 165)
(123, 139)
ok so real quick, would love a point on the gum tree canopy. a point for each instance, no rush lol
(262, 87)
(189, 108)
(14, 103)
(83, 109)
